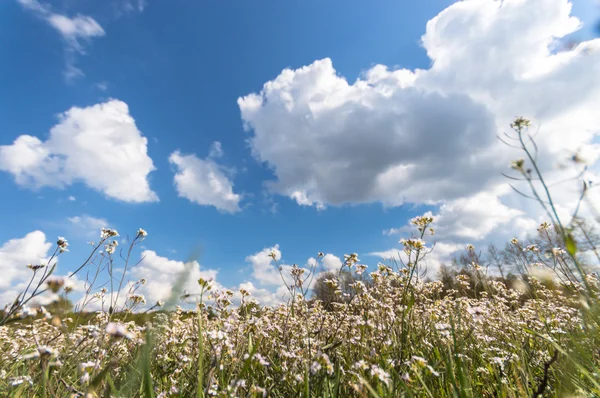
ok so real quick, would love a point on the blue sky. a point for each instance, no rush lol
(181, 67)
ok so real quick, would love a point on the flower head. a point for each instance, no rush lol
(62, 244)
(118, 330)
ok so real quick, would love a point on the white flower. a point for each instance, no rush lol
(106, 233)
(382, 375)
(142, 233)
(62, 244)
(17, 381)
(118, 330)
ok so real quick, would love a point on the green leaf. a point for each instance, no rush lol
(570, 245)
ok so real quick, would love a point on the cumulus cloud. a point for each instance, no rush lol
(162, 274)
(204, 182)
(266, 297)
(15, 254)
(331, 262)
(429, 136)
(263, 266)
(99, 145)
(269, 271)
(75, 32)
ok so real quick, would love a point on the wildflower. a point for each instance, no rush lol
(17, 381)
(498, 361)
(432, 371)
(35, 267)
(204, 284)
(244, 292)
(532, 248)
(160, 303)
(520, 122)
(470, 247)
(543, 226)
(557, 251)
(315, 367)
(517, 164)
(422, 221)
(296, 272)
(62, 244)
(142, 233)
(514, 241)
(261, 360)
(413, 244)
(419, 360)
(361, 365)
(332, 283)
(351, 259)
(55, 283)
(46, 351)
(258, 390)
(118, 330)
(143, 281)
(380, 374)
(85, 366)
(442, 326)
(360, 268)
(106, 233)
(320, 255)
(137, 299)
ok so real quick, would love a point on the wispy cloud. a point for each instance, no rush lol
(75, 31)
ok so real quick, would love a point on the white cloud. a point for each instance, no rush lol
(71, 198)
(133, 5)
(74, 31)
(331, 262)
(102, 86)
(162, 275)
(100, 146)
(429, 136)
(88, 225)
(273, 272)
(266, 297)
(216, 150)
(263, 266)
(15, 254)
(204, 182)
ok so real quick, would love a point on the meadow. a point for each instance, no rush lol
(387, 330)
